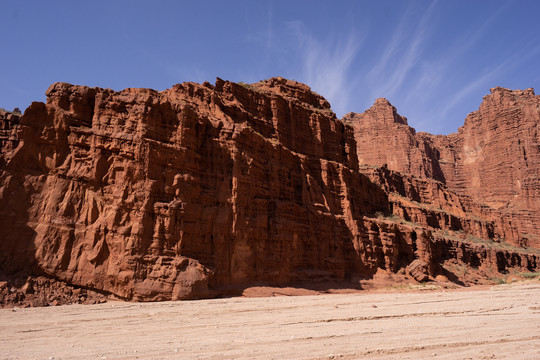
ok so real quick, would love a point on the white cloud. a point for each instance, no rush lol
(433, 73)
(486, 80)
(326, 65)
(400, 55)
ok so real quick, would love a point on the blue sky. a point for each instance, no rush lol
(434, 60)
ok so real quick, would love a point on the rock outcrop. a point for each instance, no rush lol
(9, 125)
(494, 157)
(383, 137)
(191, 191)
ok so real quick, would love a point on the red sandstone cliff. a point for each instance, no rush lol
(384, 137)
(181, 193)
(9, 125)
(494, 157)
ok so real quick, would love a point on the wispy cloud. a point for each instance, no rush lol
(469, 89)
(326, 65)
(401, 54)
(418, 80)
(486, 80)
(439, 69)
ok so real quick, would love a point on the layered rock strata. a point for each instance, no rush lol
(183, 193)
(494, 157)
(9, 125)
(157, 195)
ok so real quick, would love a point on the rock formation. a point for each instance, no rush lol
(9, 125)
(383, 137)
(494, 157)
(200, 188)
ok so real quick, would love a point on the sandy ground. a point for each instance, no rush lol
(502, 322)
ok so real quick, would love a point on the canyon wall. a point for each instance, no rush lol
(158, 195)
(189, 191)
(494, 157)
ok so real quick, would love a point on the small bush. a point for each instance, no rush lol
(247, 86)
(531, 275)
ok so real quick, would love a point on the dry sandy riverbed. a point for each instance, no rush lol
(502, 322)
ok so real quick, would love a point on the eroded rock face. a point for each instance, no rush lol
(418, 269)
(161, 195)
(383, 137)
(494, 157)
(9, 125)
(182, 193)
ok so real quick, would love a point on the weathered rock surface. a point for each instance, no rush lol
(494, 157)
(9, 125)
(42, 291)
(418, 269)
(383, 137)
(187, 192)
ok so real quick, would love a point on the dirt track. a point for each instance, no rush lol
(501, 322)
